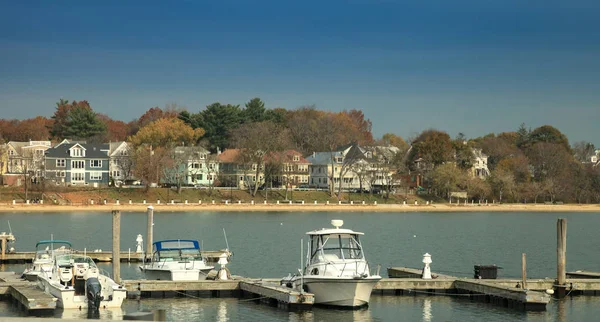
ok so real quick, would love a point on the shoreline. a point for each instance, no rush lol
(399, 208)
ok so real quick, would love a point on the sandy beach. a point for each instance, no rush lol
(307, 207)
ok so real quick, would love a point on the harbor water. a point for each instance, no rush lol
(267, 244)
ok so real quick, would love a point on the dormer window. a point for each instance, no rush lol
(123, 152)
(76, 153)
(296, 158)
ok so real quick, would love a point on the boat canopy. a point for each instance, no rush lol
(176, 244)
(53, 241)
(334, 231)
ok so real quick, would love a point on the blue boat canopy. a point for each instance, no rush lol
(174, 244)
(53, 241)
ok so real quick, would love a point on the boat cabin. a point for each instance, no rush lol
(334, 245)
(176, 250)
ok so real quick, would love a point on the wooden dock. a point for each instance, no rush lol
(509, 293)
(583, 274)
(106, 256)
(279, 295)
(25, 293)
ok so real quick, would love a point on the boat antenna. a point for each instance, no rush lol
(225, 234)
(9, 228)
(301, 266)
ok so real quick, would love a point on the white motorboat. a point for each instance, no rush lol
(77, 282)
(45, 251)
(336, 270)
(176, 260)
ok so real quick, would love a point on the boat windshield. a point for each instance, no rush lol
(177, 250)
(327, 248)
(69, 260)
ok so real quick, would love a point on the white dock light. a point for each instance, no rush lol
(337, 223)
(426, 270)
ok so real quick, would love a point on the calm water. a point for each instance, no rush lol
(268, 245)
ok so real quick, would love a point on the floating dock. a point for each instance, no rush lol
(27, 294)
(105, 256)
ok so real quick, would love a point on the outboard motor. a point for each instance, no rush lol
(93, 293)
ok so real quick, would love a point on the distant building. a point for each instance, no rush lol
(192, 165)
(25, 160)
(480, 168)
(78, 164)
(121, 162)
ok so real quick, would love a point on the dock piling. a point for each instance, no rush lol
(561, 257)
(150, 212)
(116, 241)
(524, 271)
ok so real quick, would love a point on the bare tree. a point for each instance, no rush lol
(255, 140)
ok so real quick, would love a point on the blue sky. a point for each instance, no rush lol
(459, 66)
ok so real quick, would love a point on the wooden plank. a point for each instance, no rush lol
(414, 284)
(583, 274)
(205, 285)
(405, 272)
(280, 293)
(527, 297)
(32, 298)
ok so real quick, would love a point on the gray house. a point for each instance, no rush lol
(77, 164)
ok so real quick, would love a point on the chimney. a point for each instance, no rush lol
(218, 150)
(314, 154)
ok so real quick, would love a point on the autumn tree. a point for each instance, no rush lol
(115, 130)
(255, 141)
(447, 178)
(303, 124)
(548, 134)
(152, 115)
(502, 183)
(394, 140)
(433, 147)
(149, 163)
(166, 132)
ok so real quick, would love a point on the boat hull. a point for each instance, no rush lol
(175, 274)
(67, 299)
(345, 292)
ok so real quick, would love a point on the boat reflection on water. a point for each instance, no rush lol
(102, 314)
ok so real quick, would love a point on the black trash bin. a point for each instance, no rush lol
(486, 272)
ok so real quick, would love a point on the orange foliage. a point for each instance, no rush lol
(165, 132)
(35, 129)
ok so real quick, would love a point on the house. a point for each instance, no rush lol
(480, 168)
(293, 168)
(26, 160)
(78, 164)
(329, 168)
(3, 158)
(121, 162)
(192, 165)
(235, 171)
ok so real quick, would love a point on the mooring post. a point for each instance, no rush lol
(116, 243)
(3, 249)
(524, 270)
(561, 257)
(150, 211)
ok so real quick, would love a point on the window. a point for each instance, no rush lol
(95, 163)
(123, 152)
(211, 166)
(199, 176)
(296, 158)
(96, 176)
(39, 152)
(78, 164)
(77, 176)
(116, 174)
(60, 163)
(196, 165)
(11, 152)
(338, 159)
(209, 177)
(60, 174)
(241, 178)
(76, 153)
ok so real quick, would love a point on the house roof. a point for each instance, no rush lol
(92, 151)
(287, 156)
(322, 157)
(229, 155)
(19, 146)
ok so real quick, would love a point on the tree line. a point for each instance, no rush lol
(526, 165)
